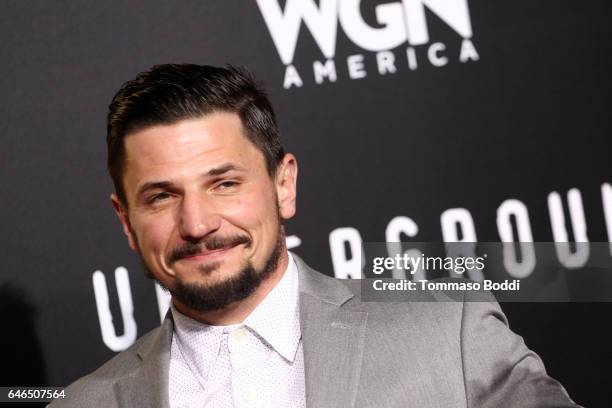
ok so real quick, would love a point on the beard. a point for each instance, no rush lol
(205, 297)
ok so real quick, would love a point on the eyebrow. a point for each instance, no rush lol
(216, 171)
(224, 168)
(152, 185)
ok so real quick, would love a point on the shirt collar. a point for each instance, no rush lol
(198, 343)
(275, 320)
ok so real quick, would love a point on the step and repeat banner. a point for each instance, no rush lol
(413, 121)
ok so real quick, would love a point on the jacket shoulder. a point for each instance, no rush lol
(347, 294)
(96, 388)
(412, 313)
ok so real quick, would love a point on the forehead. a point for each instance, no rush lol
(175, 150)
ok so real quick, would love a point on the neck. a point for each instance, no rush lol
(237, 312)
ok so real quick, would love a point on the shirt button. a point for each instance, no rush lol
(250, 395)
(238, 335)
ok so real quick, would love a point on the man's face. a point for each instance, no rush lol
(201, 206)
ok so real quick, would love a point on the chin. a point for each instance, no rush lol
(212, 271)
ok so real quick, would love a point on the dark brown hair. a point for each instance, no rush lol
(169, 93)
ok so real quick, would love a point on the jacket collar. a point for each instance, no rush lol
(319, 286)
(147, 386)
(333, 339)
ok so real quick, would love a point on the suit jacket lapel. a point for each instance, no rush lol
(148, 385)
(332, 338)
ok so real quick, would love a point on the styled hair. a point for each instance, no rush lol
(169, 93)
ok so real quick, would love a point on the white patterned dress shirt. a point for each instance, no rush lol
(258, 363)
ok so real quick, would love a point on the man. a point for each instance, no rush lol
(203, 186)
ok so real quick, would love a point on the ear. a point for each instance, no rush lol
(122, 214)
(286, 185)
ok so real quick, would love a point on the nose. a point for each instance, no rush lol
(197, 218)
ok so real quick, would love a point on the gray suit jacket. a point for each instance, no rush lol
(358, 354)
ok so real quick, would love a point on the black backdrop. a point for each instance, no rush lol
(527, 116)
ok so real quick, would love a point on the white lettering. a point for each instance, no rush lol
(293, 241)
(373, 39)
(284, 28)
(343, 266)
(455, 13)
(105, 318)
(412, 59)
(468, 51)
(557, 223)
(395, 228)
(324, 70)
(452, 221)
(292, 78)
(435, 59)
(606, 199)
(386, 62)
(355, 66)
(516, 208)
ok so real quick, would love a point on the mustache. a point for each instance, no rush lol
(209, 243)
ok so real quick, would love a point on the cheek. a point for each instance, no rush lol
(253, 212)
(257, 216)
(153, 234)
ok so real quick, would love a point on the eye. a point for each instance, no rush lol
(158, 197)
(227, 185)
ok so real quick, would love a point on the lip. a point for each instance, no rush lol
(208, 255)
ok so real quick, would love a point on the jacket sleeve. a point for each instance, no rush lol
(499, 370)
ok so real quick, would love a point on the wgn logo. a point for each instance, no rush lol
(401, 22)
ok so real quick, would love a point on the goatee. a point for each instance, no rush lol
(215, 296)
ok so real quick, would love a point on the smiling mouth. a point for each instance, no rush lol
(208, 255)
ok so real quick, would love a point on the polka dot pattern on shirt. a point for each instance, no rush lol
(258, 363)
